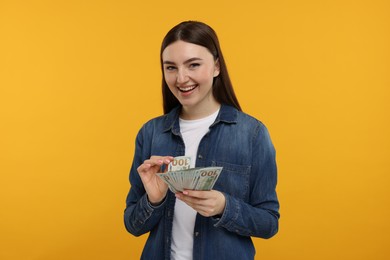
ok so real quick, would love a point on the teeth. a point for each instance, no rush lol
(187, 88)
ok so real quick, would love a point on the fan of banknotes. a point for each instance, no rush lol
(181, 177)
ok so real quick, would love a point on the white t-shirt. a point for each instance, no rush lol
(184, 216)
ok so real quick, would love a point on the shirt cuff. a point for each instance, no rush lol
(155, 206)
(229, 214)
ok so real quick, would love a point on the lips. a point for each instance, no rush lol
(187, 88)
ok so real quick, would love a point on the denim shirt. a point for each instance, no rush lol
(242, 146)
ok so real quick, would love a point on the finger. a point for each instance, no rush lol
(191, 201)
(203, 209)
(167, 160)
(163, 158)
(159, 160)
(154, 161)
(206, 211)
(144, 167)
(149, 164)
(197, 194)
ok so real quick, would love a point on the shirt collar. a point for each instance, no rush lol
(227, 114)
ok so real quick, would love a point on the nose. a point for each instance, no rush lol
(181, 76)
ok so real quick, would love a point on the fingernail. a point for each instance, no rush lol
(185, 192)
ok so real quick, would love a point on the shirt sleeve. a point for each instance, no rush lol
(259, 216)
(140, 216)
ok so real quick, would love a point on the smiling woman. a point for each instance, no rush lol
(203, 121)
(78, 79)
(199, 35)
(189, 70)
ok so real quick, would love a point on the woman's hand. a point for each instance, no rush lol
(206, 203)
(154, 186)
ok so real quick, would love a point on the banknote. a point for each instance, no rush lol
(181, 177)
(179, 163)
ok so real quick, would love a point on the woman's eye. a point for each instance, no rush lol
(169, 67)
(194, 65)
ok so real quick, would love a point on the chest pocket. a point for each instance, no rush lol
(233, 180)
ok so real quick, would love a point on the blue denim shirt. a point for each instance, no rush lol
(242, 146)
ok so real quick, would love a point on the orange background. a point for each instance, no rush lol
(79, 78)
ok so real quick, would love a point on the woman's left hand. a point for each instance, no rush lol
(206, 203)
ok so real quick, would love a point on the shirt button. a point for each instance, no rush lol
(200, 156)
(196, 234)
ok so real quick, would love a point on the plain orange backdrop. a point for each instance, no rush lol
(79, 78)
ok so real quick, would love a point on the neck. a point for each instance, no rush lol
(188, 113)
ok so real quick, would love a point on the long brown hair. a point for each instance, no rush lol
(201, 34)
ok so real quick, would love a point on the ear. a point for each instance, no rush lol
(217, 68)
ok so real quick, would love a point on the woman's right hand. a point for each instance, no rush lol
(154, 186)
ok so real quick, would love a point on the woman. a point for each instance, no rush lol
(203, 120)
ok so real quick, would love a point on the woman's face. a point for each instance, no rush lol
(189, 70)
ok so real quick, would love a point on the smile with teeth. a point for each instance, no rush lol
(187, 89)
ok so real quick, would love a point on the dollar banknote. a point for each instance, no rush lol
(181, 177)
(179, 163)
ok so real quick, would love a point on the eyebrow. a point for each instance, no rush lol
(187, 61)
